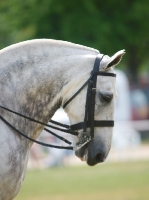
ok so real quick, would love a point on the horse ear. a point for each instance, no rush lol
(115, 59)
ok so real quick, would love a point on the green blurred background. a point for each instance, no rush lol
(108, 181)
(108, 26)
(105, 25)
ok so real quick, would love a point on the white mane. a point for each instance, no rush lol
(54, 47)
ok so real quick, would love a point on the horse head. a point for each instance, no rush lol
(96, 150)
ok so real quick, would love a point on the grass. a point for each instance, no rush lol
(107, 181)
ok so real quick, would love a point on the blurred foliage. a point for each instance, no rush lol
(105, 25)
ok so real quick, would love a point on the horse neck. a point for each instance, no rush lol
(36, 81)
(34, 93)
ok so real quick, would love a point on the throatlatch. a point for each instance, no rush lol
(88, 122)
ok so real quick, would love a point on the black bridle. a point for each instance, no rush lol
(88, 122)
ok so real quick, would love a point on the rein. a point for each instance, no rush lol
(47, 130)
(88, 122)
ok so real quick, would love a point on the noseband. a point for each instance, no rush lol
(88, 122)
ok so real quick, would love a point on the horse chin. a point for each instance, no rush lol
(85, 154)
(82, 153)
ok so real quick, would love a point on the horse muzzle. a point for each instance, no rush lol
(93, 153)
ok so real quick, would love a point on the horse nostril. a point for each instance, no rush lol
(99, 157)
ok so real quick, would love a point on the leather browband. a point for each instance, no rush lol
(104, 74)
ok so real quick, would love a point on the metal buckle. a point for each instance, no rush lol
(83, 140)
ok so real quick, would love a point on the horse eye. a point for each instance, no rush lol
(106, 96)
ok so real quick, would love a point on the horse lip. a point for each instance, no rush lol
(82, 153)
(86, 154)
(84, 158)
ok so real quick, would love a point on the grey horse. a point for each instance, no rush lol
(36, 78)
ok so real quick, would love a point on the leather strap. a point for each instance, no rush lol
(100, 123)
(103, 74)
(33, 140)
(90, 102)
(69, 100)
